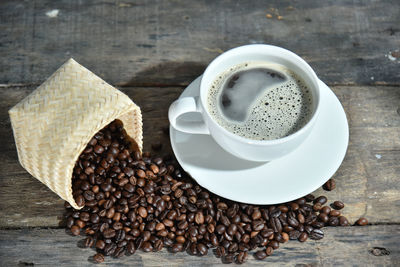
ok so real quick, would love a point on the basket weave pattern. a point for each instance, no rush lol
(55, 122)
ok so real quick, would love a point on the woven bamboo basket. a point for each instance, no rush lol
(55, 122)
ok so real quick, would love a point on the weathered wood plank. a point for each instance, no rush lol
(367, 181)
(171, 42)
(348, 246)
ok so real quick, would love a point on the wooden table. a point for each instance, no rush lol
(152, 49)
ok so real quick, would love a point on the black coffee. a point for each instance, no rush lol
(260, 101)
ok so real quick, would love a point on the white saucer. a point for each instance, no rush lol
(281, 180)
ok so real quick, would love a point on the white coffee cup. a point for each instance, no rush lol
(248, 149)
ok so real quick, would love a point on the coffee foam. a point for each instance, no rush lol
(277, 112)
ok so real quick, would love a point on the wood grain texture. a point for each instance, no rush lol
(170, 42)
(367, 181)
(341, 246)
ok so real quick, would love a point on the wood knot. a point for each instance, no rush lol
(378, 251)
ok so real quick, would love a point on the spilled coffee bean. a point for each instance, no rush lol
(132, 201)
(362, 222)
(329, 185)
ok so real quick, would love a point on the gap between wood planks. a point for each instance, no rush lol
(127, 85)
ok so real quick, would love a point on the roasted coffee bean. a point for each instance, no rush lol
(228, 258)
(308, 229)
(80, 200)
(110, 249)
(338, 205)
(325, 209)
(362, 222)
(110, 213)
(225, 221)
(241, 257)
(131, 249)
(214, 240)
(98, 258)
(70, 222)
(303, 237)
(84, 216)
(177, 247)
(98, 149)
(89, 195)
(275, 213)
(119, 252)
(142, 211)
(183, 225)
(334, 213)
(245, 218)
(158, 245)
(329, 185)
(171, 215)
(316, 234)
(100, 244)
(129, 188)
(75, 230)
(301, 201)
(285, 237)
(91, 203)
(228, 237)
(287, 228)
(139, 242)
(258, 225)
(220, 229)
(343, 221)
(256, 215)
(193, 249)
(260, 255)
(333, 221)
(293, 222)
(202, 249)
(283, 208)
(231, 229)
(321, 200)
(132, 201)
(277, 226)
(168, 242)
(294, 234)
(199, 217)
(168, 223)
(317, 207)
(278, 237)
(233, 247)
(220, 251)
(301, 218)
(269, 251)
(109, 233)
(128, 171)
(94, 218)
(274, 244)
(317, 224)
(310, 218)
(267, 233)
(294, 206)
(309, 197)
(88, 242)
(120, 235)
(105, 187)
(147, 247)
(323, 217)
(180, 239)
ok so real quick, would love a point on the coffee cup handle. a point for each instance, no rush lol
(185, 105)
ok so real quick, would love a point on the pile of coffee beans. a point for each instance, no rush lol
(138, 202)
